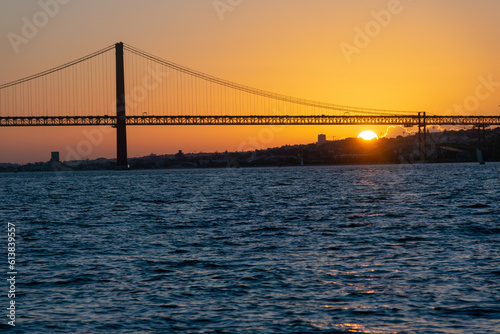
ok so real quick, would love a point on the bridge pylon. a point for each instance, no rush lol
(121, 118)
(422, 136)
(481, 135)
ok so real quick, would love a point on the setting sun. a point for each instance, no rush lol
(368, 135)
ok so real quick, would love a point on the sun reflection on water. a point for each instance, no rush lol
(346, 327)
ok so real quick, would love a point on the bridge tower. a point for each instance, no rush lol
(481, 135)
(422, 137)
(121, 122)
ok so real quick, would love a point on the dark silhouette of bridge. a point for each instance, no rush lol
(107, 88)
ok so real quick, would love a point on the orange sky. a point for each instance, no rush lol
(426, 55)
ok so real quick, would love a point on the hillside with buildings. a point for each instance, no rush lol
(442, 147)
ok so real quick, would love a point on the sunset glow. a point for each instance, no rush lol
(447, 66)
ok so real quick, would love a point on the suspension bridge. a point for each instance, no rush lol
(123, 86)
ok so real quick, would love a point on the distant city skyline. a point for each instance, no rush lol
(442, 147)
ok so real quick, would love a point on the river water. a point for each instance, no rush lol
(341, 249)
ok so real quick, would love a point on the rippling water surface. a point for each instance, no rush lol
(361, 249)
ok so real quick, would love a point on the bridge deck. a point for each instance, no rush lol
(407, 121)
